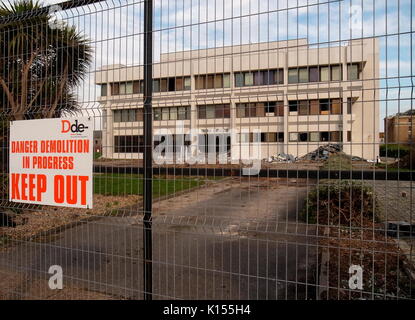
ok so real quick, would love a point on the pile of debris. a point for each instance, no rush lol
(282, 157)
(323, 152)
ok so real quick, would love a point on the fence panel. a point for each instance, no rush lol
(242, 149)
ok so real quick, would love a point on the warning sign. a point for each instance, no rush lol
(51, 162)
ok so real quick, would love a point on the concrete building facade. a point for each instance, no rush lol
(283, 96)
(400, 128)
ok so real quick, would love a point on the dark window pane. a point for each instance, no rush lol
(115, 89)
(314, 74)
(202, 112)
(293, 106)
(324, 136)
(280, 109)
(258, 78)
(219, 111)
(172, 84)
(324, 107)
(200, 82)
(136, 87)
(210, 83)
(227, 111)
(303, 136)
(139, 115)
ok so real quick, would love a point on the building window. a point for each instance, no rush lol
(249, 79)
(324, 107)
(270, 137)
(157, 114)
(303, 75)
(179, 84)
(187, 83)
(212, 81)
(324, 74)
(239, 80)
(336, 73)
(138, 87)
(163, 85)
(293, 75)
(115, 89)
(314, 136)
(335, 106)
(165, 114)
(104, 89)
(303, 108)
(259, 109)
(314, 107)
(259, 77)
(293, 106)
(349, 136)
(324, 136)
(156, 85)
(216, 111)
(128, 115)
(173, 113)
(314, 74)
(128, 144)
(333, 136)
(293, 136)
(353, 71)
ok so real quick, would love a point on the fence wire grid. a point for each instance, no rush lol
(243, 149)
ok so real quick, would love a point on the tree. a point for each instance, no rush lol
(40, 69)
(40, 65)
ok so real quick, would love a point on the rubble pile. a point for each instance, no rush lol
(323, 152)
(320, 154)
(282, 157)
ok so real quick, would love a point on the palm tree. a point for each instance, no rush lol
(40, 66)
(40, 69)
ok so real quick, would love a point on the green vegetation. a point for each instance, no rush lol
(132, 184)
(339, 161)
(345, 203)
(97, 155)
(394, 150)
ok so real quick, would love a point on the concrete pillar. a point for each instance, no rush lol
(286, 110)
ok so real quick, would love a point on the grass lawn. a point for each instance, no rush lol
(127, 184)
(338, 162)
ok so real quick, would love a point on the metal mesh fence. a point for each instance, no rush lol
(244, 149)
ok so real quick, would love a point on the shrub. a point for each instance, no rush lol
(347, 203)
(394, 150)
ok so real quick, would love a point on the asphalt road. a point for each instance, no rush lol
(233, 240)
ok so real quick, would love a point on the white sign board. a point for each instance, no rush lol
(51, 162)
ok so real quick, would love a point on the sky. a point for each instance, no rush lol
(115, 29)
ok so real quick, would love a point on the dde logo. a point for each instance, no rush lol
(75, 127)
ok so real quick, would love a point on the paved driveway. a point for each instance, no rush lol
(236, 239)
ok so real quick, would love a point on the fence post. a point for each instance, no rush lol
(148, 143)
